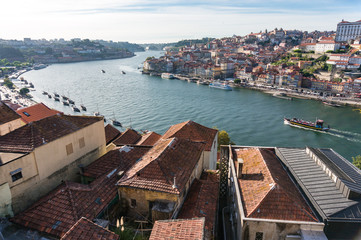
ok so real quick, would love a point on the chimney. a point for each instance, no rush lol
(239, 166)
(174, 183)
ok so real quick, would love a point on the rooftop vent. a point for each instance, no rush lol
(174, 183)
(239, 167)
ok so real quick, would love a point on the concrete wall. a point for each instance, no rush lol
(10, 126)
(53, 156)
(5, 201)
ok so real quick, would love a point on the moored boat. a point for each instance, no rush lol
(116, 123)
(332, 104)
(75, 108)
(318, 125)
(220, 86)
(65, 103)
(83, 107)
(167, 76)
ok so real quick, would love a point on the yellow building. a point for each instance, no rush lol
(35, 158)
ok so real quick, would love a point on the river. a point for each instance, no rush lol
(151, 103)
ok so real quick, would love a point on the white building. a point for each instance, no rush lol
(348, 30)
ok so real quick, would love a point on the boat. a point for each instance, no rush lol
(116, 123)
(56, 95)
(31, 85)
(318, 125)
(56, 99)
(71, 101)
(123, 72)
(45, 93)
(64, 97)
(332, 104)
(49, 96)
(220, 86)
(83, 107)
(65, 103)
(75, 108)
(167, 76)
(282, 96)
(103, 71)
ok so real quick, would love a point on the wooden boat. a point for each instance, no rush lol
(318, 125)
(75, 108)
(83, 107)
(332, 104)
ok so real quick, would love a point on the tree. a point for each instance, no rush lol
(223, 138)
(237, 81)
(297, 50)
(24, 91)
(357, 161)
(8, 83)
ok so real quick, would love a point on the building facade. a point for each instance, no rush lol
(348, 31)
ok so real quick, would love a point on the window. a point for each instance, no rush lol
(26, 114)
(81, 142)
(133, 203)
(15, 175)
(69, 149)
(259, 236)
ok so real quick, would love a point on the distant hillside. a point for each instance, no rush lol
(11, 53)
(133, 47)
(182, 43)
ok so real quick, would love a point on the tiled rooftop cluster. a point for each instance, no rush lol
(267, 191)
(84, 229)
(158, 167)
(190, 229)
(62, 212)
(36, 112)
(202, 200)
(35, 134)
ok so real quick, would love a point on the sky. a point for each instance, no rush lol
(161, 21)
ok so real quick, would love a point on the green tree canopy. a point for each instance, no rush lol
(223, 138)
(357, 161)
(24, 91)
(237, 81)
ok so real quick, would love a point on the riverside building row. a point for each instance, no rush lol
(256, 59)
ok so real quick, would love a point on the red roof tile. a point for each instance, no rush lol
(35, 134)
(111, 133)
(192, 131)
(202, 200)
(156, 170)
(36, 112)
(149, 139)
(84, 229)
(266, 189)
(58, 211)
(190, 229)
(7, 114)
(121, 158)
(130, 136)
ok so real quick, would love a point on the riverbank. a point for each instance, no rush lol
(305, 94)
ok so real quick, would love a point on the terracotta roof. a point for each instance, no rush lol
(130, 136)
(121, 157)
(111, 133)
(36, 112)
(7, 114)
(190, 229)
(156, 170)
(84, 229)
(149, 139)
(35, 134)
(202, 200)
(266, 189)
(58, 211)
(193, 131)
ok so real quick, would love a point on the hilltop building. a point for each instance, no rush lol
(348, 31)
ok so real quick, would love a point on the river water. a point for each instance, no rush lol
(151, 103)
